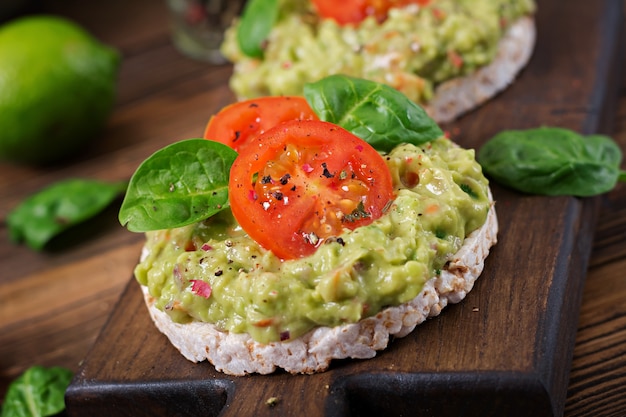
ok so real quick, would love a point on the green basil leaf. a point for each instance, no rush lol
(257, 20)
(552, 161)
(183, 183)
(55, 209)
(603, 148)
(377, 113)
(38, 392)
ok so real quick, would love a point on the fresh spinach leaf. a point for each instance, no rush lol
(38, 392)
(377, 113)
(257, 20)
(180, 184)
(553, 161)
(58, 207)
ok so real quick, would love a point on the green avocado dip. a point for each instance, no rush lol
(213, 272)
(413, 50)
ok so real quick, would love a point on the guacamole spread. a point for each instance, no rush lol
(413, 50)
(213, 272)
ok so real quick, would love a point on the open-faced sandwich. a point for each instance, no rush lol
(309, 228)
(447, 55)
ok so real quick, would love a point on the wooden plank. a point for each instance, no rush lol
(598, 382)
(505, 350)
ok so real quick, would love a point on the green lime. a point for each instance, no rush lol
(57, 88)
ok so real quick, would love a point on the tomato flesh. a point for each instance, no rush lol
(304, 182)
(354, 11)
(238, 123)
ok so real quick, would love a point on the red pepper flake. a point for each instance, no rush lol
(455, 59)
(391, 34)
(438, 13)
(307, 168)
(359, 148)
(264, 322)
(252, 196)
(201, 288)
(287, 64)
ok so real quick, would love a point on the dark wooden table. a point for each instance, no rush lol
(53, 304)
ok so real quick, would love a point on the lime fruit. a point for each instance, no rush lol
(57, 88)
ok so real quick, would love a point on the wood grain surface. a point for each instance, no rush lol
(54, 304)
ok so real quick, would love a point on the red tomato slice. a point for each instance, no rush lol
(238, 123)
(354, 11)
(303, 182)
(347, 11)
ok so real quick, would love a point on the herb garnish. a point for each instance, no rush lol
(58, 207)
(553, 161)
(181, 184)
(375, 112)
(357, 214)
(38, 392)
(257, 19)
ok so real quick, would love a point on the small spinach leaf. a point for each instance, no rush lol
(377, 113)
(553, 161)
(257, 20)
(180, 184)
(58, 207)
(38, 392)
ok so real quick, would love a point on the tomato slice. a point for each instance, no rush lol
(238, 123)
(304, 182)
(347, 11)
(354, 11)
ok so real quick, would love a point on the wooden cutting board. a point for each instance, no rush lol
(504, 351)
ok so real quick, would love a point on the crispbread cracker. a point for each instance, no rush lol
(460, 95)
(239, 354)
